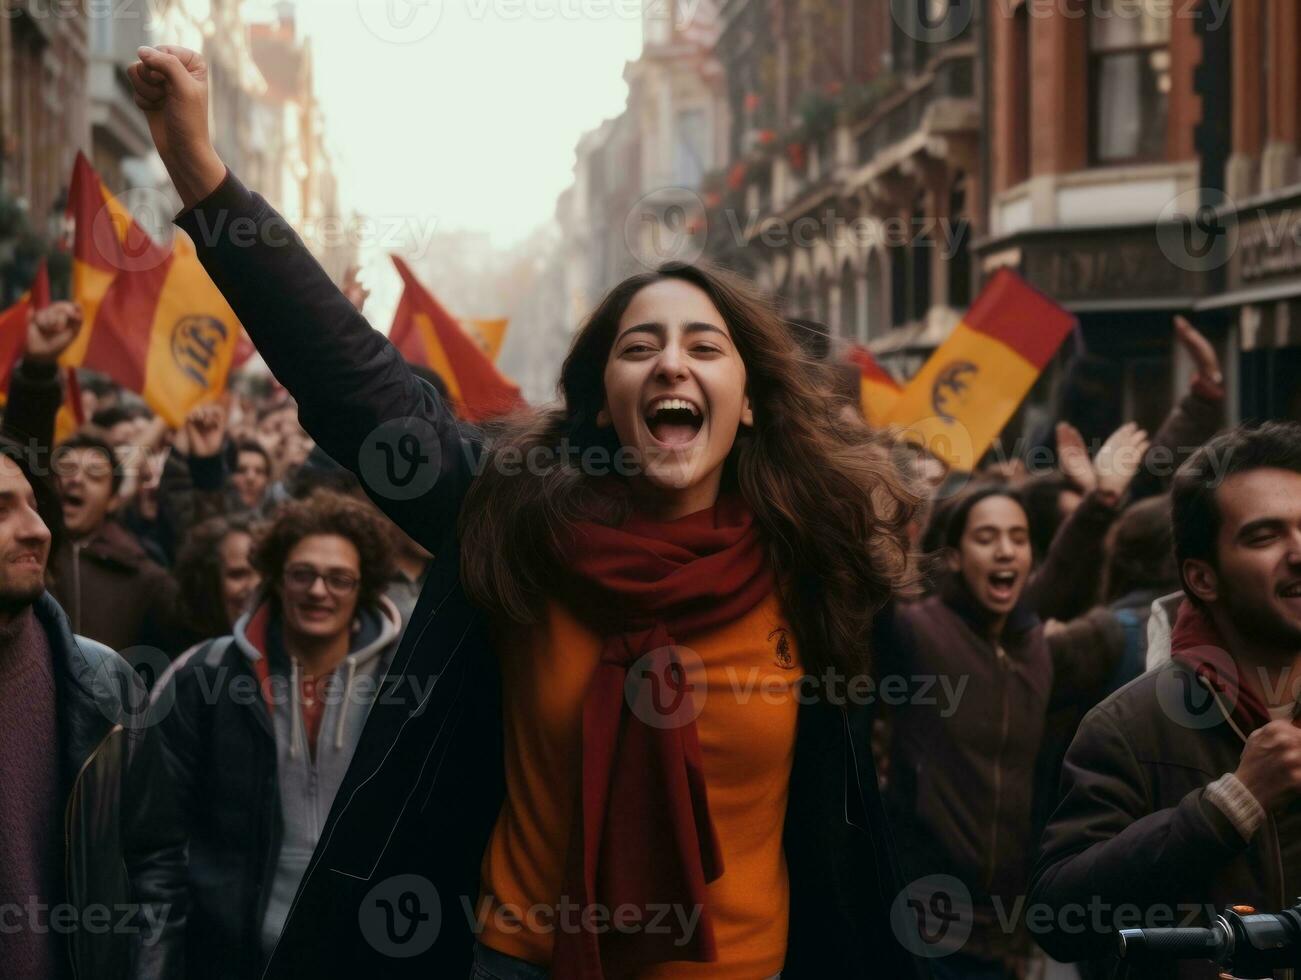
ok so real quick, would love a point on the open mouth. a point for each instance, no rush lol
(1291, 591)
(72, 503)
(26, 559)
(674, 421)
(1002, 585)
(315, 612)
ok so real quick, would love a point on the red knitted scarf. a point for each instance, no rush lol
(643, 834)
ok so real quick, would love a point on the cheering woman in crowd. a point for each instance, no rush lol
(596, 753)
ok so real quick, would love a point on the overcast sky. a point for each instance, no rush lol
(465, 112)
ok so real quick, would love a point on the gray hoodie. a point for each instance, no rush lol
(308, 785)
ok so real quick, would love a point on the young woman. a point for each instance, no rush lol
(594, 759)
(962, 765)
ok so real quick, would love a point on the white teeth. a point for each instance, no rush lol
(666, 404)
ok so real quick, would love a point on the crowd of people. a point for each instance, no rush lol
(786, 699)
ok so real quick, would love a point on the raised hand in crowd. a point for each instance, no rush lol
(1073, 458)
(353, 289)
(34, 393)
(1112, 470)
(1119, 460)
(51, 331)
(1202, 351)
(205, 429)
(170, 84)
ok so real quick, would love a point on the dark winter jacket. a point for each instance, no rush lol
(252, 798)
(1136, 841)
(115, 594)
(403, 844)
(124, 848)
(965, 749)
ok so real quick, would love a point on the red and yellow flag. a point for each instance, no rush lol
(967, 390)
(13, 324)
(878, 391)
(488, 334)
(427, 334)
(154, 321)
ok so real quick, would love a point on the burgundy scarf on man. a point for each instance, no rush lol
(1196, 643)
(643, 834)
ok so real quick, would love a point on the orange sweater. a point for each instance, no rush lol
(746, 728)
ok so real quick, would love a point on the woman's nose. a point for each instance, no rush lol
(671, 364)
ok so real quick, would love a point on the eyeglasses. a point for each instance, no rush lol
(301, 578)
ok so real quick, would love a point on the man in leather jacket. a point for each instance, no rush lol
(92, 866)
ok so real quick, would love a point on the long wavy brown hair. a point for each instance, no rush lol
(833, 508)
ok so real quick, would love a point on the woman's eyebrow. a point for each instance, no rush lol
(658, 329)
(699, 326)
(650, 327)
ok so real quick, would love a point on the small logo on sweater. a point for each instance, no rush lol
(783, 656)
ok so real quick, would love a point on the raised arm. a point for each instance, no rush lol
(1197, 416)
(35, 394)
(356, 396)
(1064, 586)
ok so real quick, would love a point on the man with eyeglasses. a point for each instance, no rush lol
(259, 727)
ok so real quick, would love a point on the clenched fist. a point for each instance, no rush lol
(170, 84)
(51, 331)
(205, 429)
(1271, 764)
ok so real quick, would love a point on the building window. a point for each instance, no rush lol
(899, 262)
(690, 147)
(923, 254)
(959, 245)
(878, 291)
(1019, 98)
(1129, 70)
(804, 301)
(848, 326)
